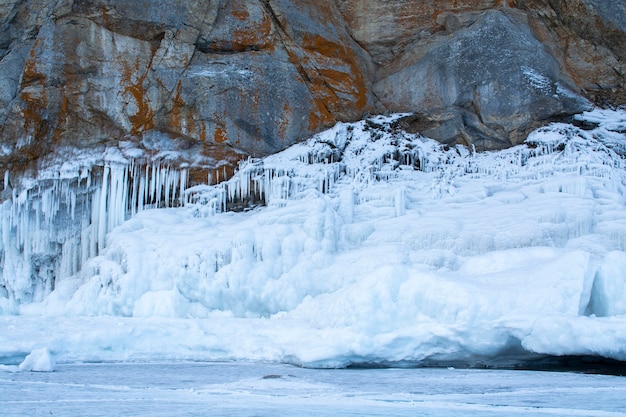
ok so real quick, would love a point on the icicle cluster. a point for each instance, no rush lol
(51, 227)
(376, 150)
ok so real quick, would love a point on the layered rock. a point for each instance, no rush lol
(385, 28)
(481, 78)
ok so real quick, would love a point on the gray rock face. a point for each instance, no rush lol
(251, 77)
(588, 40)
(245, 74)
(386, 27)
(487, 85)
(613, 12)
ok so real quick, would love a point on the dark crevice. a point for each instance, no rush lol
(209, 48)
(270, 10)
(584, 364)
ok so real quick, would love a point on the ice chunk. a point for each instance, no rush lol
(39, 360)
(608, 294)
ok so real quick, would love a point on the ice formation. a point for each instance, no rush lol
(39, 360)
(363, 244)
(52, 224)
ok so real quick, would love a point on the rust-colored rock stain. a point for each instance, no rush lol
(143, 119)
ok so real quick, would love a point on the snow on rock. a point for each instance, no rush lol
(39, 360)
(365, 244)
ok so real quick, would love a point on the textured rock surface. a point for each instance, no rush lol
(588, 38)
(486, 85)
(255, 75)
(384, 27)
(219, 76)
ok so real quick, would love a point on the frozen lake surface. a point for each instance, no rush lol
(253, 389)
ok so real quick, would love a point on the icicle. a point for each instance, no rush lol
(146, 187)
(141, 190)
(182, 187)
(132, 189)
(400, 201)
(102, 210)
(222, 197)
(156, 185)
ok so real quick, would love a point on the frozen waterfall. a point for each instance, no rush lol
(51, 225)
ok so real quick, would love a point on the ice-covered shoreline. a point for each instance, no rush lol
(363, 245)
(296, 342)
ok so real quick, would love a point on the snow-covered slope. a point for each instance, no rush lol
(365, 244)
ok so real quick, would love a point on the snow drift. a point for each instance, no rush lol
(365, 244)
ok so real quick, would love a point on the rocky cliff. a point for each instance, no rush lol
(109, 107)
(230, 78)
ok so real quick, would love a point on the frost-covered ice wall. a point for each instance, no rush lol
(364, 244)
(52, 224)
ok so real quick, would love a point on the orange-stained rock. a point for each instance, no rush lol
(385, 27)
(241, 25)
(259, 75)
(249, 74)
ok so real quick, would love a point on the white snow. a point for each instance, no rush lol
(537, 80)
(220, 69)
(364, 244)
